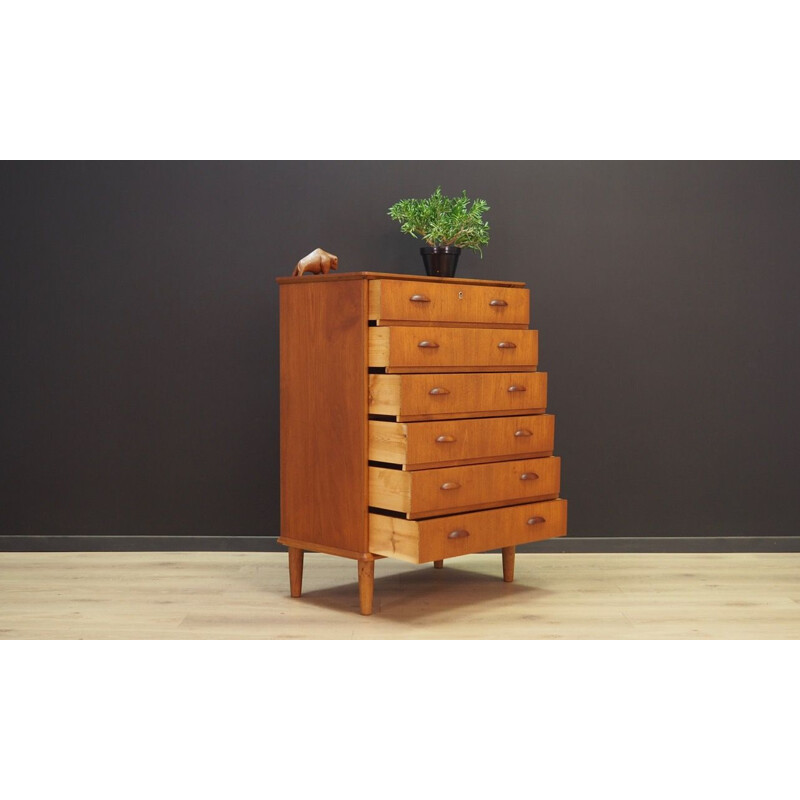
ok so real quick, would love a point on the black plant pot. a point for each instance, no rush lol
(440, 261)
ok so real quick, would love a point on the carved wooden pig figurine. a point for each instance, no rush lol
(316, 262)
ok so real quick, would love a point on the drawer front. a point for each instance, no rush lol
(445, 537)
(432, 349)
(409, 397)
(422, 445)
(431, 492)
(424, 302)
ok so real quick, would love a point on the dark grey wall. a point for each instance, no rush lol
(139, 333)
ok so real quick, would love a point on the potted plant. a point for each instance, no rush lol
(447, 224)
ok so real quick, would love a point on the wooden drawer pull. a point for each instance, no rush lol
(459, 534)
(498, 303)
(515, 388)
(507, 346)
(426, 343)
(419, 298)
(528, 476)
(445, 438)
(536, 520)
(522, 432)
(439, 390)
(450, 485)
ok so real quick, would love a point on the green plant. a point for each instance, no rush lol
(442, 220)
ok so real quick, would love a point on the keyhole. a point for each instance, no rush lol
(461, 295)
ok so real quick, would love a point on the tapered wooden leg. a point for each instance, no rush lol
(508, 564)
(296, 570)
(366, 585)
(438, 564)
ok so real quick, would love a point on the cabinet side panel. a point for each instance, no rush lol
(323, 352)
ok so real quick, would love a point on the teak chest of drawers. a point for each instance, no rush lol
(413, 422)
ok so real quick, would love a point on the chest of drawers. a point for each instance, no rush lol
(413, 422)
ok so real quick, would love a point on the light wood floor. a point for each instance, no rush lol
(246, 596)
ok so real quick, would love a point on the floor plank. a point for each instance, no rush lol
(200, 595)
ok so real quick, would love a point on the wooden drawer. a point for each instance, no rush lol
(439, 349)
(422, 302)
(444, 537)
(421, 445)
(453, 395)
(431, 492)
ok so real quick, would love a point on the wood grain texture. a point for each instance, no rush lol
(365, 276)
(450, 490)
(400, 348)
(478, 399)
(296, 571)
(415, 445)
(366, 584)
(324, 413)
(238, 596)
(318, 547)
(445, 537)
(388, 441)
(390, 301)
(450, 396)
(509, 554)
(390, 488)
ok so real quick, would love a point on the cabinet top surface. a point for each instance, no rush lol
(371, 276)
